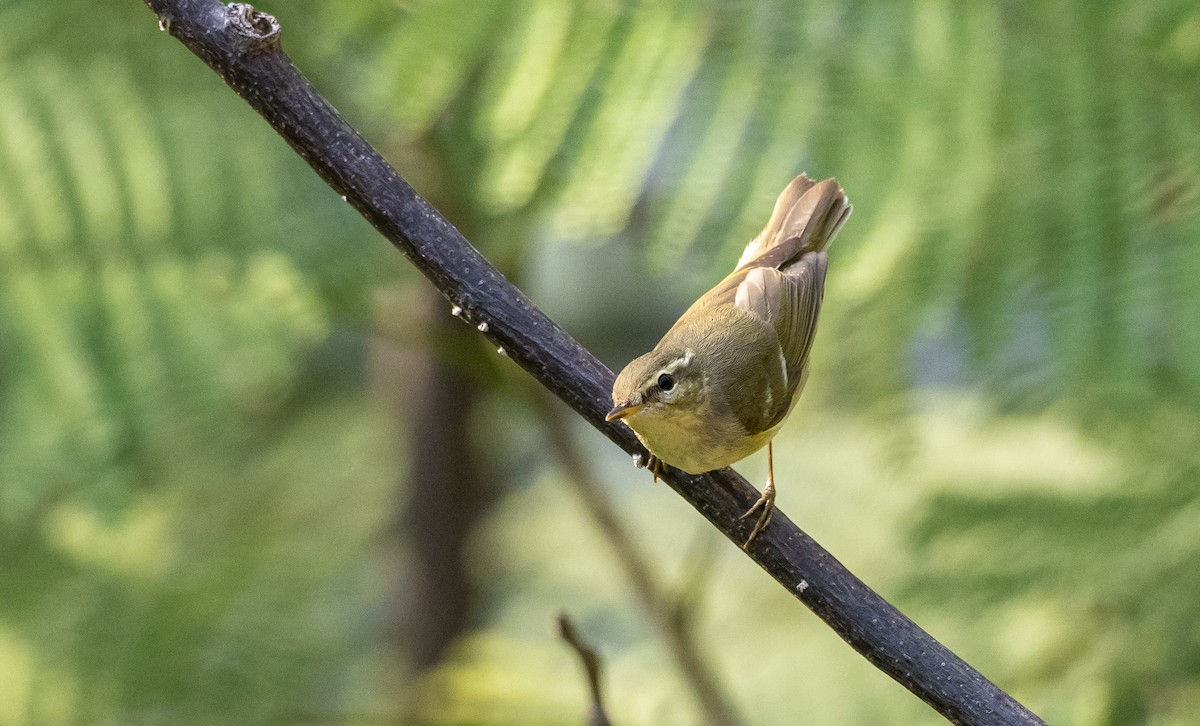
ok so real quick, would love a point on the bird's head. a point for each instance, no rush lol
(657, 383)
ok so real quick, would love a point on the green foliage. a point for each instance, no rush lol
(1006, 166)
(1028, 195)
(135, 311)
(235, 591)
(1027, 183)
(168, 271)
(1117, 561)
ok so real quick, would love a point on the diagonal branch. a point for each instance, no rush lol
(242, 46)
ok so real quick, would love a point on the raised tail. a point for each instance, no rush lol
(807, 217)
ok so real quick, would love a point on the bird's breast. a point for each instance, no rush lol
(696, 441)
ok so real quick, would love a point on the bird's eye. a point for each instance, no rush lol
(666, 381)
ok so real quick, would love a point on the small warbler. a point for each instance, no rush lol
(722, 380)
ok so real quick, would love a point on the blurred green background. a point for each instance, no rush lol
(252, 472)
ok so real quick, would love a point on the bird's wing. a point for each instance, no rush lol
(789, 301)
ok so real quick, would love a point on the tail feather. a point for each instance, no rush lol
(807, 216)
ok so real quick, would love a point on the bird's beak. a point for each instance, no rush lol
(623, 410)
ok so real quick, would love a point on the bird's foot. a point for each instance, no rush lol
(656, 466)
(652, 463)
(766, 502)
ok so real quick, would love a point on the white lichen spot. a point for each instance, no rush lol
(344, 198)
(164, 25)
(638, 461)
(456, 311)
(482, 327)
(502, 351)
(802, 586)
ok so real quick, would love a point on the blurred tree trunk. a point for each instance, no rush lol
(422, 368)
(434, 386)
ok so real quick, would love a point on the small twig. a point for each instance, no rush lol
(706, 687)
(591, 666)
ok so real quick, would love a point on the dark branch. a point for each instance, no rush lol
(242, 46)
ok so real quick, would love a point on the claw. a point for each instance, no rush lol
(651, 462)
(766, 501)
(656, 467)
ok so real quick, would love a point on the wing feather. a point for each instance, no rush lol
(789, 301)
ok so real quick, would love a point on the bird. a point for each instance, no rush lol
(722, 380)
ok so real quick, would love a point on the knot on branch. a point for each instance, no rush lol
(252, 24)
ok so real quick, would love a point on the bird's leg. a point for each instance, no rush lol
(766, 501)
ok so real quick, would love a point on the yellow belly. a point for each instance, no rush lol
(696, 443)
